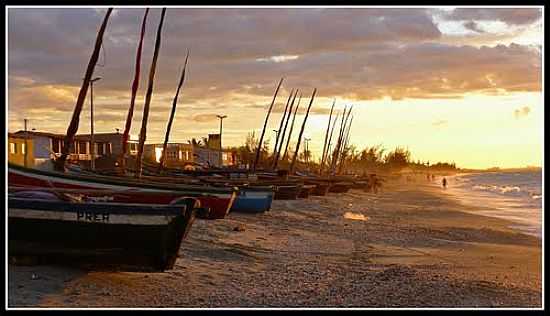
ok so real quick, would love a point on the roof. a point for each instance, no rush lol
(14, 135)
(44, 134)
(100, 134)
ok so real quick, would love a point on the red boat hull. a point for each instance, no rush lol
(219, 204)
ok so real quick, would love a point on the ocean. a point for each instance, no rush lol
(516, 196)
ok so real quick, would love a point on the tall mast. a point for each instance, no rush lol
(291, 127)
(73, 126)
(293, 164)
(337, 146)
(135, 86)
(281, 126)
(345, 146)
(258, 150)
(276, 160)
(172, 114)
(327, 153)
(148, 95)
(326, 138)
(338, 149)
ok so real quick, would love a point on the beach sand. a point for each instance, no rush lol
(407, 246)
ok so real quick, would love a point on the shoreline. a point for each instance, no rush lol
(408, 246)
(502, 207)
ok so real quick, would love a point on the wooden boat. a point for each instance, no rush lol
(249, 199)
(340, 187)
(283, 189)
(360, 184)
(321, 188)
(218, 200)
(253, 200)
(120, 236)
(306, 190)
(287, 192)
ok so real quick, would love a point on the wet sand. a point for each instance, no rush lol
(408, 246)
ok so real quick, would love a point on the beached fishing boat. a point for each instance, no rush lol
(287, 192)
(306, 190)
(253, 200)
(124, 190)
(340, 187)
(120, 236)
(321, 188)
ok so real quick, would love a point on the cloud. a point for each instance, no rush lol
(356, 54)
(440, 123)
(473, 26)
(205, 117)
(511, 16)
(522, 112)
(278, 59)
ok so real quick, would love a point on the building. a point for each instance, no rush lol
(20, 148)
(182, 155)
(108, 147)
(189, 156)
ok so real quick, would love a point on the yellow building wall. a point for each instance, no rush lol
(18, 158)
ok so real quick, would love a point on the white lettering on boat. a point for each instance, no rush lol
(92, 216)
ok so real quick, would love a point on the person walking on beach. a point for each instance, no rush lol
(444, 182)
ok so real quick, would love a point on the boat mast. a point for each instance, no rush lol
(293, 164)
(345, 147)
(172, 114)
(278, 135)
(135, 86)
(258, 150)
(148, 95)
(292, 127)
(59, 164)
(327, 156)
(326, 138)
(337, 146)
(276, 160)
(340, 142)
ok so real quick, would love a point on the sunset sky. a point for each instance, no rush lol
(462, 84)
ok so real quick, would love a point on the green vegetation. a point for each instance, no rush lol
(369, 159)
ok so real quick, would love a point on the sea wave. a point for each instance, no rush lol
(515, 196)
(502, 189)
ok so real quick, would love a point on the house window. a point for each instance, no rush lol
(99, 149)
(109, 148)
(23, 149)
(56, 146)
(13, 148)
(82, 147)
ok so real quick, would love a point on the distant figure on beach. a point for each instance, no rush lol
(444, 182)
(433, 177)
(428, 176)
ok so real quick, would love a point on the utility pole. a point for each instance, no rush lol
(26, 145)
(306, 151)
(276, 133)
(221, 117)
(92, 144)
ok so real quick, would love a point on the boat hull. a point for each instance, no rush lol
(253, 201)
(112, 236)
(218, 202)
(306, 191)
(321, 189)
(287, 192)
(339, 187)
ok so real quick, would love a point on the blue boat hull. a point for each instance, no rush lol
(253, 201)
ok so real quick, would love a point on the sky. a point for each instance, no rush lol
(459, 85)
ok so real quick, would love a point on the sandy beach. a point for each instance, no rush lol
(407, 246)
